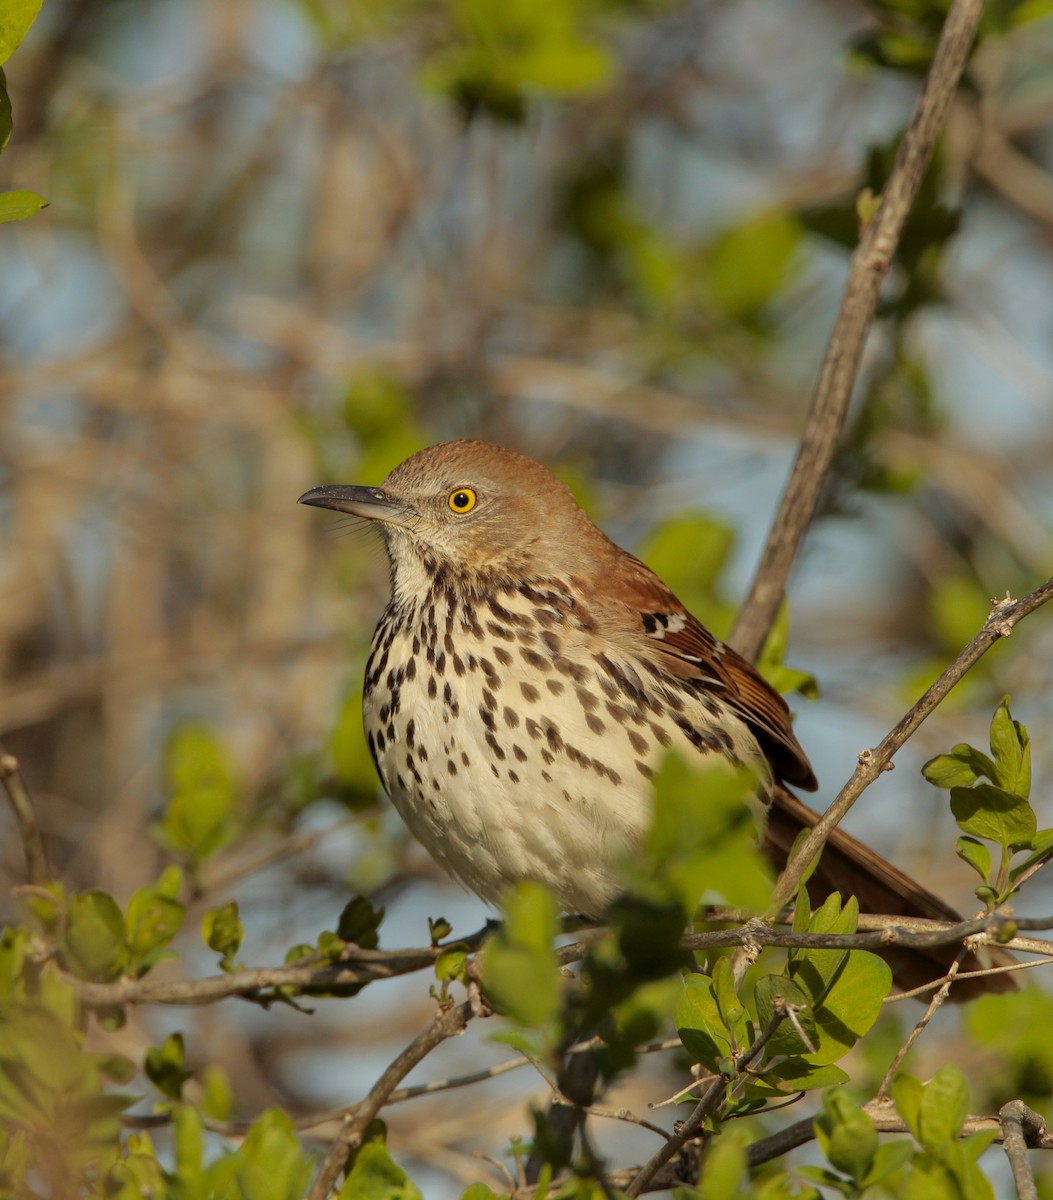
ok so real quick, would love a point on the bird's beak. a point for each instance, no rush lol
(368, 502)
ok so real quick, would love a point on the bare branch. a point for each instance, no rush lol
(999, 624)
(447, 1023)
(1021, 1127)
(869, 266)
(37, 869)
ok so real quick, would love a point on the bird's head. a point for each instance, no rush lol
(473, 509)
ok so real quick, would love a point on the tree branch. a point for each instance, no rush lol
(447, 1023)
(867, 270)
(999, 624)
(37, 870)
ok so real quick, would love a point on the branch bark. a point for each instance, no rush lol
(867, 270)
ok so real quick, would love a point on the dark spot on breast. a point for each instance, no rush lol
(594, 723)
(436, 785)
(530, 693)
(411, 670)
(372, 745)
(497, 773)
(495, 746)
(532, 659)
(566, 667)
(400, 781)
(411, 766)
(391, 732)
(520, 753)
(545, 617)
(451, 767)
(587, 700)
(433, 687)
(464, 758)
(644, 770)
(422, 753)
(416, 645)
(500, 631)
(660, 732)
(381, 743)
(533, 728)
(502, 656)
(411, 732)
(551, 641)
(637, 741)
(487, 718)
(554, 686)
(511, 717)
(547, 756)
(450, 701)
(546, 776)
(488, 699)
(552, 736)
(513, 776)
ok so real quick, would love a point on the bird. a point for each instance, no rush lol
(528, 676)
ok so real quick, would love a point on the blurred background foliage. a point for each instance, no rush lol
(291, 241)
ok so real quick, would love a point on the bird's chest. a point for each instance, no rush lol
(513, 746)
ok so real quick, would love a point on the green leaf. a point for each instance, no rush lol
(217, 1099)
(725, 1167)
(376, 1176)
(94, 937)
(223, 932)
(976, 855)
(17, 206)
(847, 1136)
(271, 1164)
(846, 987)
(359, 922)
(699, 1023)
(748, 264)
(944, 1107)
(702, 844)
(963, 767)
(1041, 847)
(479, 1191)
(154, 917)
(452, 962)
(199, 817)
(793, 1075)
(165, 1066)
(5, 113)
(16, 17)
(990, 812)
(1011, 748)
(519, 968)
(787, 1036)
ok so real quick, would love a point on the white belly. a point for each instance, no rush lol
(521, 758)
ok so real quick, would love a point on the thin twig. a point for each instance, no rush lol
(447, 1023)
(358, 966)
(869, 266)
(707, 1104)
(37, 870)
(930, 1011)
(999, 624)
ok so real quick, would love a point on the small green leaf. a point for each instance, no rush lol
(699, 1024)
(787, 1037)
(18, 205)
(976, 855)
(95, 938)
(359, 922)
(1011, 748)
(16, 17)
(165, 1066)
(847, 1136)
(963, 767)
(224, 933)
(944, 1107)
(519, 968)
(452, 962)
(991, 812)
(376, 1176)
(153, 919)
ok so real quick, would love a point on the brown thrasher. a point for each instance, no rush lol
(527, 676)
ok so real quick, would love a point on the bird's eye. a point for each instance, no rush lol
(462, 500)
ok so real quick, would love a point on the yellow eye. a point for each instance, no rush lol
(462, 500)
